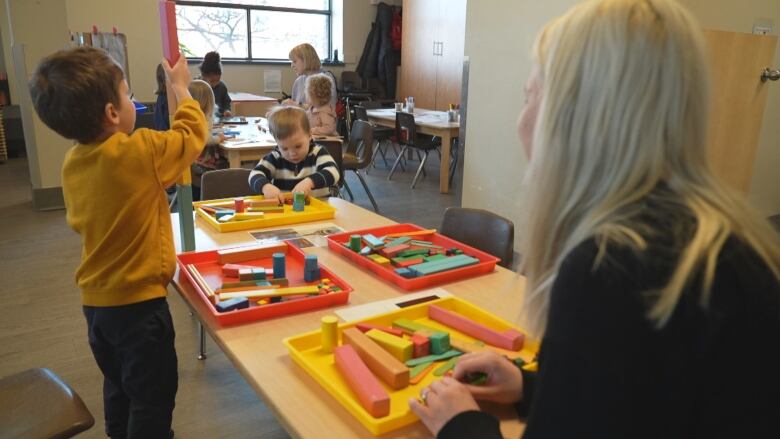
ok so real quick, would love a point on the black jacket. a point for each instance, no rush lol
(379, 60)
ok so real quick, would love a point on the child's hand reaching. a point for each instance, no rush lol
(270, 192)
(305, 186)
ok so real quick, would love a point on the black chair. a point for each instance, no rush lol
(406, 134)
(225, 183)
(36, 403)
(482, 230)
(358, 155)
(334, 148)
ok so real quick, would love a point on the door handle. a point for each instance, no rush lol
(434, 48)
(771, 75)
(441, 48)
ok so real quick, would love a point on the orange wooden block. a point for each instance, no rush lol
(417, 378)
(422, 346)
(370, 393)
(231, 270)
(242, 254)
(381, 362)
(393, 251)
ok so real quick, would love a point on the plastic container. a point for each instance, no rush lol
(314, 211)
(486, 264)
(305, 349)
(211, 271)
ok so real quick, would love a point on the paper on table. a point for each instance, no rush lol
(301, 236)
(360, 312)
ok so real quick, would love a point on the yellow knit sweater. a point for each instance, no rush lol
(115, 199)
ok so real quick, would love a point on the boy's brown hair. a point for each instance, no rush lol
(286, 121)
(308, 54)
(318, 89)
(70, 90)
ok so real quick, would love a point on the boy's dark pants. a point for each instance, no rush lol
(133, 346)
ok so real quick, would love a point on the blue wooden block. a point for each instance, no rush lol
(405, 272)
(311, 275)
(280, 265)
(299, 201)
(365, 251)
(373, 241)
(232, 304)
(310, 262)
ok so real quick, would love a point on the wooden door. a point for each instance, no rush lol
(452, 35)
(738, 101)
(418, 64)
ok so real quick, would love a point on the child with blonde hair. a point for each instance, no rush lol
(212, 157)
(322, 117)
(297, 164)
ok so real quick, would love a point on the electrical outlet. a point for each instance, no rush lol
(762, 27)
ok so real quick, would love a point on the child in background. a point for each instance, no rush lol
(112, 183)
(161, 121)
(211, 72)
(322, 117)
(297, 164)
(211, 158)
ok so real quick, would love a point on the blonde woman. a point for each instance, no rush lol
(655, 288)
(305, 62)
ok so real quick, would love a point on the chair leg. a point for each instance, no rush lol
(395, 151)
(421, 162)
(368, 191)
(349, 191)
(202, 342)
(421, 168)
(398, 159)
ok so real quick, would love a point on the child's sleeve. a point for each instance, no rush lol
(263, 173)
(327, 172)
(173, 151)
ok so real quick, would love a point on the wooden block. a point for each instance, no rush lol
(398, 241)
(242, 254)
(443, 265)
(239, 205)
(271, 202)
(169, 31)
(446, 367)
(466, 347)
(365, 327)
(246, 216)
(509, 339)
(232, 304)
(400, 348)
(373, 242)
(254, 273)
(409, 262)
(365, 251)
(440, 340)
(225, 218)
(423, 371)
(414, 252)
(272, 292)
(355, 242)
(384, 365)
(418, 233)
(330, 335)
(405, 272)
(391, 252)
(408, 326)
(282, 282)
(208, 210)
(436, 257)
(422, 346)
(231, 270)
(266, 209)
(449, 354)
(370, 393)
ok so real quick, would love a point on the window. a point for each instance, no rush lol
(254, 30)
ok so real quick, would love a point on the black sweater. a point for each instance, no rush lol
(606, 372)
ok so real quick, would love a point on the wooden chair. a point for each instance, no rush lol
(36, 403)
(225, 183)
(358, 155)
(482, 230)
(406, 134)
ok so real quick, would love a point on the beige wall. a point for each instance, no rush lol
(499, 36)
(740, 16)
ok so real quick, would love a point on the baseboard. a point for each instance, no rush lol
(49, 198)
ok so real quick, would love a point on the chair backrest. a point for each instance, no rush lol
(361, 143)
(405, 129)
(225, 183)
(350, 80)
(334, 148)
(481, 229)
(360, 112)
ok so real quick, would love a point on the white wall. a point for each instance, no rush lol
(740, 16)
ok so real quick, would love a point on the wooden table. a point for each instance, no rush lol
(429, 122)
(247, 104)
(300, 404)
(252, 142)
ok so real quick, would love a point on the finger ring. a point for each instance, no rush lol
(424, 395)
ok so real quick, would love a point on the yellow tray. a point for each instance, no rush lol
(314, 211)
(305, 350)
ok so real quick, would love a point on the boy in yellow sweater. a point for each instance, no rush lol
(113, 182)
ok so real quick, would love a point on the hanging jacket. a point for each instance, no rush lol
(380, 59)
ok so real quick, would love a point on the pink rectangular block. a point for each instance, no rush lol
(169, 32)
(365, 327)
(393, 251)
(370, 393)
(231, 270)
(509, 339)
(422, 346)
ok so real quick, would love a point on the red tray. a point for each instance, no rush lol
(486, 264)
(211, 271)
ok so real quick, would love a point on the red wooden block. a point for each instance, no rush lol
(240, 205)
(231, 270)
(410, 262)
(422, 346)
(509, 339)
(365, 327)
(168, 30)
(370, 393)
(391, 252)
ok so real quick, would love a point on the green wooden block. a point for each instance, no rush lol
(355, 243)
(416, 370)
(449, 354)
(435, 257)
(449, 365)
(415, 252)
(408, 325)
(443, 264)
(398, 241)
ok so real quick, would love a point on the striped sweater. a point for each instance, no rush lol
(273, 168)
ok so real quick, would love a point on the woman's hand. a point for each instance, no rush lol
(306, 185)
(271, 192)
(504, 381)
(443, 400)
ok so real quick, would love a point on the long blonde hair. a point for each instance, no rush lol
(308, 54)
(624, 110)
(201, 91)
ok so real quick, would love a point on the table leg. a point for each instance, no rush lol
(202, 342)
(444, 167)
(234, 159)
